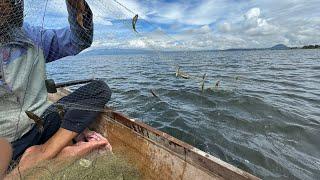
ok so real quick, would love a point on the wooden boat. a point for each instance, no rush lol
(156, 154)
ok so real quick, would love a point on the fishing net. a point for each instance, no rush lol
(107, 166)
(40, 31)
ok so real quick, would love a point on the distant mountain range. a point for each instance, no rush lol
(276, 47)
(279, 47)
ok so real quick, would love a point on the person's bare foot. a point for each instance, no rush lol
(81, 149)
(90, 136)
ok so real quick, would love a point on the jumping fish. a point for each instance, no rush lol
(177, 71)
(182, 74)
(37, 120)
(203, 81)
(217, 84)
(153, 93)
(134, 22)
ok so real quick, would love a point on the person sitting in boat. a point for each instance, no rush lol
(27, 118)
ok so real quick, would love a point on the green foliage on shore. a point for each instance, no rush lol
(311, 47)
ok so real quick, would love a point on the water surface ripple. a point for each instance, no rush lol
(264, 118)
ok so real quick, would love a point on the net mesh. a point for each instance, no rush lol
(54, 29)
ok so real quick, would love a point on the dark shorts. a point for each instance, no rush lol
(81, 108)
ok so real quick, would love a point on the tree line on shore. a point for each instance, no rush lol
(307, 47)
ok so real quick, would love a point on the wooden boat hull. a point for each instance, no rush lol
(156, 154)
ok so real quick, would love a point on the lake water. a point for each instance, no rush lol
(263, 118)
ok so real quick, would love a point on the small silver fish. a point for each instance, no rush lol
(134, 22)
(203, 81)
(153, 93)
(80, 14)
(177, 71)
(60, 110)
(182, 74)
(217, 83)
(38, 121)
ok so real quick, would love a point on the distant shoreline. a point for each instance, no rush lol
(307, 47)
(276, 47)
(106, 51)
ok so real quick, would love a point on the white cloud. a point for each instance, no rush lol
(203, 24)
(137, 43)
(255, 25)
(224, 27)
(252, 14)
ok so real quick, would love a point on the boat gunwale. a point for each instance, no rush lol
(191, 154)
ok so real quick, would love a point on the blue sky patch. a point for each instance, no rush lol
(201, 24)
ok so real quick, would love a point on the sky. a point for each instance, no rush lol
(192, 24)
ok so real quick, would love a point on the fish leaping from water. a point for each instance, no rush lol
(203, 81)
(134, 22)
(217, 84)
(182, 74)
(153, 93)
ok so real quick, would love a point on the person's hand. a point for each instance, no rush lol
(79, 5)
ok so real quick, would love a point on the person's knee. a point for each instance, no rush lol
(104, 90)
